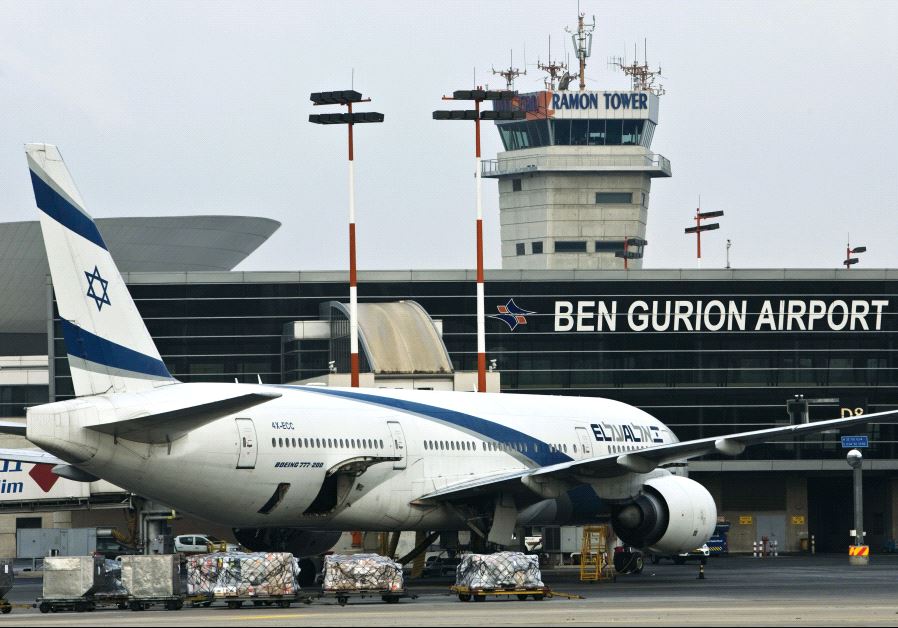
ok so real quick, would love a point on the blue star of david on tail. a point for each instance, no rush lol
(511, 314)
(91, 291)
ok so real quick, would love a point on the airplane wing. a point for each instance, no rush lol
(646, 460)
(166, 427)
(30, 456)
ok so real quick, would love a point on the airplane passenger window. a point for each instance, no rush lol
(329, 443)
(565, 448)
(575, 449)
(441, 445)
(274, 443)
(381, 444)
(280, 442)
(294, 441)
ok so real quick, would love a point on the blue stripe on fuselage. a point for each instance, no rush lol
(537, 451)
(62, 211)
(87, 346)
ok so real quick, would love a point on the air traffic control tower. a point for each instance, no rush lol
(576, 174)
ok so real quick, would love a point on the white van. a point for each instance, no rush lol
(201, 544)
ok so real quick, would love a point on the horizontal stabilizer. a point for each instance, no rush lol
(165, 427)
(30, 456)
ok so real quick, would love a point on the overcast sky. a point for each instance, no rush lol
(782, 114)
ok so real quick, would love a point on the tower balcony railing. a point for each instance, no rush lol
(652, 164)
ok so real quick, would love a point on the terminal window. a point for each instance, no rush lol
(519, 248)
(613, 198)
(536, 247)
(570, 246)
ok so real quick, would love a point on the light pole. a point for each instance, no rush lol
(851, 261)
(699, 227)
(346, 98)
(855, 461)
(478, 96)
(627, 254)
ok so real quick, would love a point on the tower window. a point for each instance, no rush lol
(519, 248)
(570, 246)
(516, 185)
(613, 198)
(536, 247)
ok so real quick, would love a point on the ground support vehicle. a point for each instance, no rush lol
(389, 596)
(81, 604)
(466, 594)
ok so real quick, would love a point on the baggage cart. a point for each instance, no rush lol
(82, 604)
(479, 594)
(390, 596)
(237, 601)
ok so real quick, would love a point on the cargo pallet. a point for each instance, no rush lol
(171, 603)
(388, 596)
(79, 604)
(466, 594)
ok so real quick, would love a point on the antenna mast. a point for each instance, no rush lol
(553, 69)
(511, 73)
(582, 40)
(642, 77)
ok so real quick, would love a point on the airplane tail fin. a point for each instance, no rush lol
(109, 348)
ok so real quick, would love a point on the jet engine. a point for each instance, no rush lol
(305, 545)
(672, 515)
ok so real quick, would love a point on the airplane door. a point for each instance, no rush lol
(246, 435)
(398, 438)
(585, 442)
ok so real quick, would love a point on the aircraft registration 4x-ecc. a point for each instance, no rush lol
(311, 462)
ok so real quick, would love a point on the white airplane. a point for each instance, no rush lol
(291, 466)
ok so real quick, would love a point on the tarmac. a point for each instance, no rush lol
(736, 591)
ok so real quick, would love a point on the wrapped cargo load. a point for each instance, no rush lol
(239, 575)
(503, 570)
(69, 577)
(153, 576)
(362, 572)
(7, 579)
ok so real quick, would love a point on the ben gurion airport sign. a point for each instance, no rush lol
(667, 315)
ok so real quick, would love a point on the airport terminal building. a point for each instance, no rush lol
(708, 352)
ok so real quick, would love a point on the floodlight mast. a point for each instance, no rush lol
(699, 227)
(347, 98)
(479, 95)
(851, 261)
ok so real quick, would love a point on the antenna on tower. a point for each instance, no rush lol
(512, 72)
(582, 39)
(552, 68)
(643, 79)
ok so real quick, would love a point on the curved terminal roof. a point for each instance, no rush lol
(165, 243)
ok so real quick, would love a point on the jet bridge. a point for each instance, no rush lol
(400, 346)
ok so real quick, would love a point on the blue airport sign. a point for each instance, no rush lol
(855, 442)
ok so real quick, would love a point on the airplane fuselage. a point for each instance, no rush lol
(338, 459)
